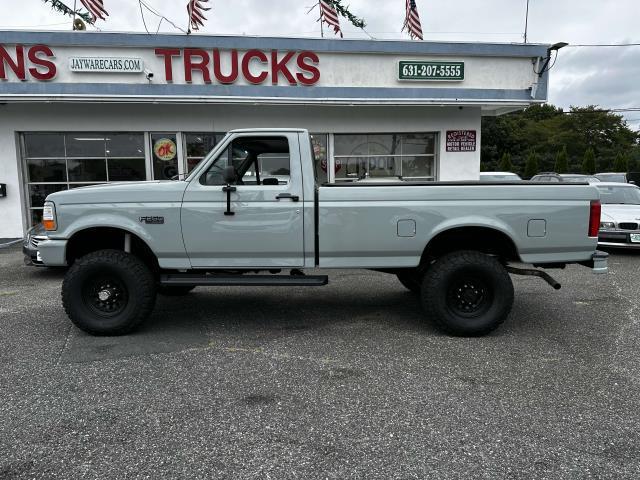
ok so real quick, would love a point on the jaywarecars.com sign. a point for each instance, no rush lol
(106, 64)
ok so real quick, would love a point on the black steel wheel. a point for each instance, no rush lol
(467, 293)
(108, 292)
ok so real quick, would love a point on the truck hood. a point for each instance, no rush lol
(122, 192)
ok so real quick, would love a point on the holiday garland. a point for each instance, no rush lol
(344, 11)
(58, 6)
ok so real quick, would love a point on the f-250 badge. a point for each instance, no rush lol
(152, 220)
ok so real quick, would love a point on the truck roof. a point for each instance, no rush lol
(259, 130)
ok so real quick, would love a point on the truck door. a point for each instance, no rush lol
(264, 226)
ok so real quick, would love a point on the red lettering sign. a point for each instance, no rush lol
(48, 71)
(217, 69)
(190, 65)
(311, 68)
(168, 54)
(246, 63)
(255, 66)
(280, 66)
(17, 65)
(42, 68)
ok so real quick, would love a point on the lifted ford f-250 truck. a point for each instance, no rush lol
(253, 209)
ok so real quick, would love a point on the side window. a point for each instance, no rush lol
(257, 161)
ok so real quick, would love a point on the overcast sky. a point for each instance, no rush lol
(609, 77)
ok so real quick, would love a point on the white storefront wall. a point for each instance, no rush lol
(358, 91)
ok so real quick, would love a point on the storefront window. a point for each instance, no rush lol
(405, 156)
(319, 143)
(59, 161)
(44, 145)
(198, 145)
(125, 157)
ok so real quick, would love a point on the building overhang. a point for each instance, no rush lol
(496, 77)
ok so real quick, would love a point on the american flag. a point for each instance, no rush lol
(196, 13)
(329, 16)
(412, 21)
(96, 8)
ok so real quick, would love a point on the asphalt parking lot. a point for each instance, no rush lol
(344, 381)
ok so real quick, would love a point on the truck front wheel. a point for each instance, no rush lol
(108, 292)
(467, 293)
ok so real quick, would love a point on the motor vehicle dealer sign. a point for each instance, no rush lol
(461, 140)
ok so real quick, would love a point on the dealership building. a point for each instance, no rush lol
(79, 108)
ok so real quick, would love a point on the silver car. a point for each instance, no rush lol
(620, 220)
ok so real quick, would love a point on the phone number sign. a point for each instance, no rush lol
(431, 71)
(461, 140)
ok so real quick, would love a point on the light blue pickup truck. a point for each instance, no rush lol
(252, 213)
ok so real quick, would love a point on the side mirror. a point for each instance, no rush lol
(229, 175)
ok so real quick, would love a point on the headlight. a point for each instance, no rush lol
(607, 225)
(49, 220)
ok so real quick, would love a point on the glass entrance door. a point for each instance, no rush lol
(164, 154)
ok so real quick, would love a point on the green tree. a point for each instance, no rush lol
(589, 162)
(531, 167)
(621, 163)
(562, 161)
(547, 129)
(505, 163)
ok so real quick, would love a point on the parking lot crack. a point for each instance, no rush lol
(64, 347)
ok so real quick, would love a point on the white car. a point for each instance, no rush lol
(499, 177)
(620, 220)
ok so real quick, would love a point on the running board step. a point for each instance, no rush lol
(193, 280)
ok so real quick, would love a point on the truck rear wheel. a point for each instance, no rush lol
(108, 292)
(467, 293)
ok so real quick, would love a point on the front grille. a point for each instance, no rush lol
(35, 241)
(628, 226)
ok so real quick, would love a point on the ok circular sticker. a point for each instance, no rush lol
(165, 149)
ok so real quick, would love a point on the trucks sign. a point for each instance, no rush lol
(431, 71)
(461, 140)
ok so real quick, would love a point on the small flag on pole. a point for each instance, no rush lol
(412, 21)
(196, 11)
(329, 15)
(96, 9)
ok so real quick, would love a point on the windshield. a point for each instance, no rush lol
(619, 195)
(579, 178)
(507, 177)
(612, 177)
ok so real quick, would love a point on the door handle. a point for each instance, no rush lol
(288, 196)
